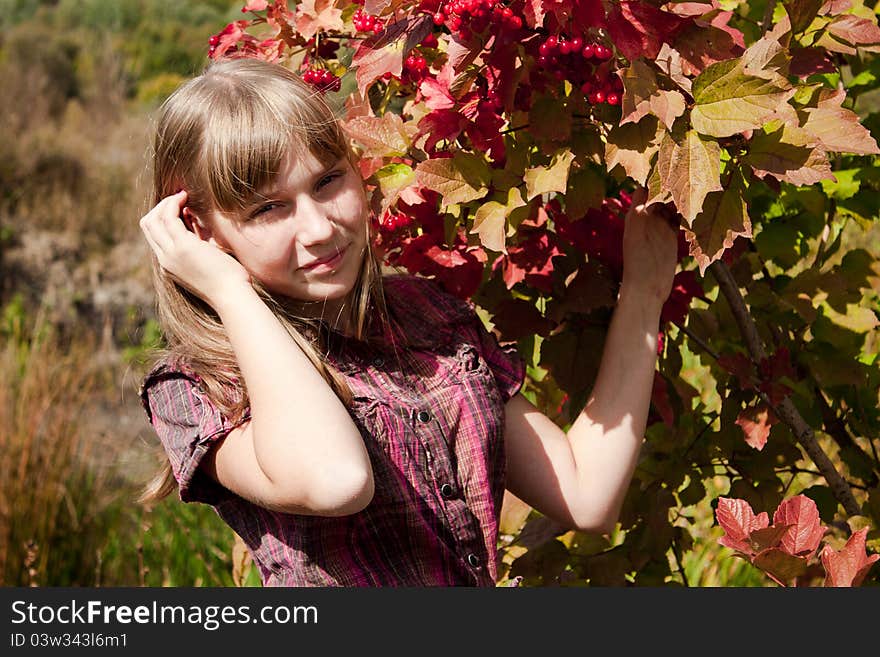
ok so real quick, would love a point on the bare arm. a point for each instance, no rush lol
(581, 478)
(300, 452)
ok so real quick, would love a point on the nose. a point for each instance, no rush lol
(314, 224)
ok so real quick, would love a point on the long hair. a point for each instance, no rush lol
(222, 136)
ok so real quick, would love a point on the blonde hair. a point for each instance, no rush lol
(222, 136)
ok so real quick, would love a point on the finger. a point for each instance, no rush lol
(639, 196)
(157, 236)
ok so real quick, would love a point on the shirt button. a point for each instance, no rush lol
(423, 416)
(447, 490)
(473, 560)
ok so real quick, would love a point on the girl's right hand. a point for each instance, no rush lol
(200, 266)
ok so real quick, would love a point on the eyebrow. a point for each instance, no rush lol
(275, 191)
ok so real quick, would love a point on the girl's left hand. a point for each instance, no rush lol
(650, 251)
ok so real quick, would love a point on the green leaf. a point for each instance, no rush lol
(846, 186)
(490, 221)
(459, 179)
(728, 101)
(393, 178)
(689, 168)
(553, 178)
(778, 242)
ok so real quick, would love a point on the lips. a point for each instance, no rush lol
(328, 261)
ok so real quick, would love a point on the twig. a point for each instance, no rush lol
(700, 342)
(785, 410)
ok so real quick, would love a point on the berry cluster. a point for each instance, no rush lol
(469, 17)
(364, 22)
(415, 68)
(392, 221)
(321, 78)
(583, 63)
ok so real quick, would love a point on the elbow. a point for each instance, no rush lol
(339, 491)
(595, 522)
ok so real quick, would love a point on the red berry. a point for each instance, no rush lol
(612, 99)
(588, 51)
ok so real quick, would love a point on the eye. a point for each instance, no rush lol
(264, 209)
(329, 178)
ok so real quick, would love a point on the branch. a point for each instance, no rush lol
(785, 410)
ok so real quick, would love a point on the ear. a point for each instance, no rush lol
(199, 226)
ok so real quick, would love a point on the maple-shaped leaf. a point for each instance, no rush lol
(384, 53)
(806, 532)
(459, 179)
(755, 422)
(854, 30)
(393, 179)
(849, 565)
(781, 566)
(384, 136)
(786, 153)
(435, 90)
(315, 15)
(838, 129)
(769, 537)
(518, 318)
(702, 45)
(724, 217)
(552, 178)
(490, 220)
(727, 100)
(638, 29)
(632, 146)
(689, 167)
(643, 96)
(738, 520)
(669, 61)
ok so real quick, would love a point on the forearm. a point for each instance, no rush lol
(296, 418)
(606, 437)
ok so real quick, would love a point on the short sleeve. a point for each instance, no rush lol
(187, 424)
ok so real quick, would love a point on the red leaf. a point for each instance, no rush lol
(518, 318)
(755, 423)
(639, 29)
(741, 367)
(803, 537)
(738, 521)
(781, 566)
(764, 539)
(849, 566)
(685, 286)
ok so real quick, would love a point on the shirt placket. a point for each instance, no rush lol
(443, 478)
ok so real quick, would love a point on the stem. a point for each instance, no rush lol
(785, 410)
(698, 340)
(768, 16)
(675, 553)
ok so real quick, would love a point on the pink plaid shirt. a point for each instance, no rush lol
(431, 412)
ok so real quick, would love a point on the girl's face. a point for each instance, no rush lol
(305, 238)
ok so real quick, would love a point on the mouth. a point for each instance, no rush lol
(326, 264)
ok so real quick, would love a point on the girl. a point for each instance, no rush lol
(354, 428)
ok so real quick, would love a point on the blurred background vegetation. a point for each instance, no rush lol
(82, 79)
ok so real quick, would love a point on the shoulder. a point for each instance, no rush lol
(169, 380)
(425, 298)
